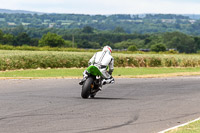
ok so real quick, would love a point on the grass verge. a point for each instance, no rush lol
(118, 72)
(190, 128)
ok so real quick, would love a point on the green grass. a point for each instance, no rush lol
(68, 72)
(150, 71)
(191, 128)
(73, 72)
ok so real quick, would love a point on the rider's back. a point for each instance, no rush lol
(103, 58)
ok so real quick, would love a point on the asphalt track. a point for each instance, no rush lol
(128, 106)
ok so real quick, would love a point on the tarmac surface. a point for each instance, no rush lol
(129, 106)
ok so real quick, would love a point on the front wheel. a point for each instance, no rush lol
(86, 88)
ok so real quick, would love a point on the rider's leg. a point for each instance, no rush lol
(107, 78)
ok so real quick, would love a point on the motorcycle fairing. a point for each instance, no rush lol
(94, 71)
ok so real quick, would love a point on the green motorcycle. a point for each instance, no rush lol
(92, 84)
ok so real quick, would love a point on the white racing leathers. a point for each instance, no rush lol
(102, 60)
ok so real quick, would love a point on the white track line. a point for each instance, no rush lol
(179, 126)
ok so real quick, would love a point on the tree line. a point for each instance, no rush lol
(88, 37)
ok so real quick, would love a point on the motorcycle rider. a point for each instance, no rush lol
(102, 60)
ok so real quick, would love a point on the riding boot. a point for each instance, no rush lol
(108, 81)
(82, 81)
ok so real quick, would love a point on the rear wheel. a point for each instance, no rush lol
(86, 88)
(94, 91)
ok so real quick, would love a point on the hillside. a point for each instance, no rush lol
(142, 23)
(18, 11)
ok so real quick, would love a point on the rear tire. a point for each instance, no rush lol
(86, 88)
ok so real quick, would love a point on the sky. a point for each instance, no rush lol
(105, 6)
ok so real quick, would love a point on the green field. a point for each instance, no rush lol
(191, 128)
(118, 72)
(13, 60)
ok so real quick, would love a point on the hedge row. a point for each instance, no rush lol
(155, 62)
(45, 48)
(11, 60)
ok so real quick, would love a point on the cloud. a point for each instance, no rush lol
(105, 6)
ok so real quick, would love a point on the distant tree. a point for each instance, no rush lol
(22, 38)
(180, 41)
(87, 29)
(132, 48)
(94, 45)
(52, 40)
(19, 29)
(197, 41)
(8, 39)
(123, 45)
(34, 42)
(119, 30)
(158, 47)
(88, 44)
(70, 44)
(1, 36)
(128, 43)
(139, 43)
(84, 44)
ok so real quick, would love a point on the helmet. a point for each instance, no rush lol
(107, 49)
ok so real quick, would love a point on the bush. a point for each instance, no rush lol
(158, 47)
(132, 48)
(52, 40)
(154, 62)
(172, 51)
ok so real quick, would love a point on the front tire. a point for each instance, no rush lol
(86, 88)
